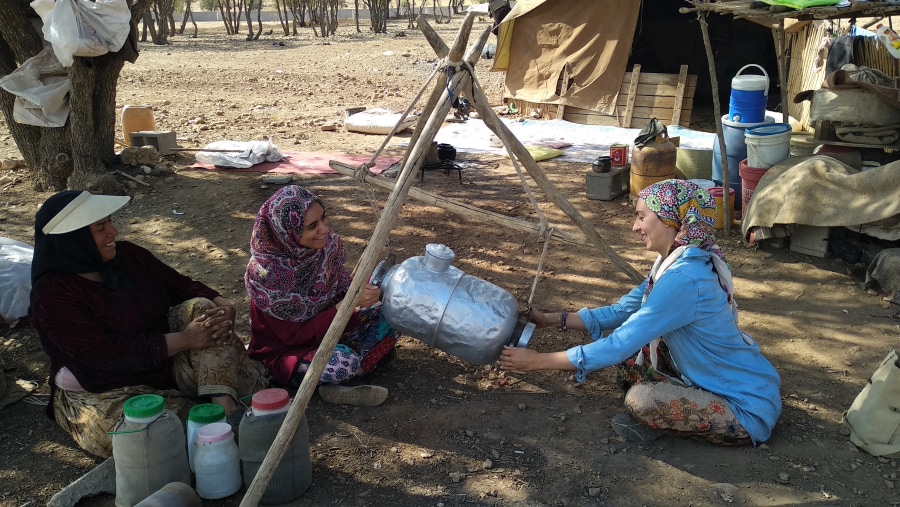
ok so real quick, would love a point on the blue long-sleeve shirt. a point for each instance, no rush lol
(689, 310)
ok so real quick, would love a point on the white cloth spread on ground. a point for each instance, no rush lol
(588, 141)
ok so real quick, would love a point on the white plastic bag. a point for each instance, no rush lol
(15, 279)
(888, 37)
(378, 121)
(40, 86)
(246, 154)
(83, 27)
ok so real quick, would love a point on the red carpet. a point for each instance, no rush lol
(310, 163)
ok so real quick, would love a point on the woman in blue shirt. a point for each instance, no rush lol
(695, 373)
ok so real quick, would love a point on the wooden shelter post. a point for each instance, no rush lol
(782, 70)
(717, 112)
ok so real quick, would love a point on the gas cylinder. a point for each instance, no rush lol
(428, 299)
(652, 162)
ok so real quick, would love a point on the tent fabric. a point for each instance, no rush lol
(541, 42)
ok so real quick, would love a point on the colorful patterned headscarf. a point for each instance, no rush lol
(686, 207)
(285, 280)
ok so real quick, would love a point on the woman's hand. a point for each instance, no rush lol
(210, 329)
(519, 359)
(227, 305)
(541, 319)
(522, 359)
(230, 313)
(369, 296)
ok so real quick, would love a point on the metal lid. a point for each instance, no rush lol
(440, 251)
(438, 257)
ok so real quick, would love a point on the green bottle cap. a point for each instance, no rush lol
(144, 406)
(206, 413)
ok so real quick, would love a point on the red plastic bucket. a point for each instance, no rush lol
(750, 177)
(718, 193)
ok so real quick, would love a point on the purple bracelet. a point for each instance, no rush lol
(562, 321)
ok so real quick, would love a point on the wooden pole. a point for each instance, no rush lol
(366, 264)
(717, 112)
(434, 40)
(515, 148)
(459, 208)
(783, 72)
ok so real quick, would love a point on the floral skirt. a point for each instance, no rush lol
(659, 399)
(358, 352)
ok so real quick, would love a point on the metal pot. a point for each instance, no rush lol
(428, 299)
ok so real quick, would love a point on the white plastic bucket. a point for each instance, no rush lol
(767, 145)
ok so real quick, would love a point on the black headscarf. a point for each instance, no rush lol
(72, 252)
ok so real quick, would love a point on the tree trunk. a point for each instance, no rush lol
(379, 10)
(226, 16)
(282, 19)
(334, 7)
(93, 116)
(411, 15)
(258, 20)
(439, 12)
(187, 14)
(151, 26)
(80, 154)
(247, 14)
(162, 9)
(236, 16)
(356, 15)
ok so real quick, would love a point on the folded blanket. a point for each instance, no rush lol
(880, 136)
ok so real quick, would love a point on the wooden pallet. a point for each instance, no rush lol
(642, 96)
(668, 97)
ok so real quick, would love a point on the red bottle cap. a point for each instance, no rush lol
(270, 399)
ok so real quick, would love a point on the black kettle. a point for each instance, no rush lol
(446, 151)
(603, 164)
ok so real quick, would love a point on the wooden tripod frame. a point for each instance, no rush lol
(459, 65)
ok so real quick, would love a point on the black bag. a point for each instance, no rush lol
(653, 128)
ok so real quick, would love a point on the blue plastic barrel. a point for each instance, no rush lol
(736, 149)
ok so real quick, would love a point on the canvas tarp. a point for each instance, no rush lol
(824, 192)
(585, 42)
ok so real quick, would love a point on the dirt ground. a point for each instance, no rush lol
(452, 433)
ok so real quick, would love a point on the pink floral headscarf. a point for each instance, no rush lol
(687, 207)
(285, 280)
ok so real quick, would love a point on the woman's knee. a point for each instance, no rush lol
(180, 315)
(639, 398)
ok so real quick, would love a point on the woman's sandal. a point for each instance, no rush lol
(360, 396)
